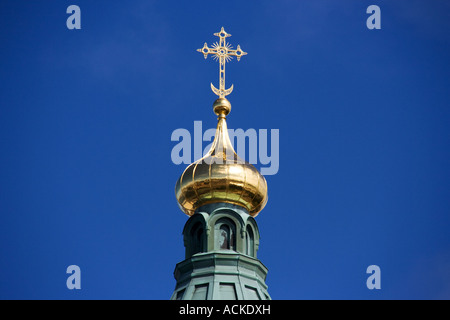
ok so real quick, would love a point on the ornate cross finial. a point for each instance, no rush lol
(223, 52)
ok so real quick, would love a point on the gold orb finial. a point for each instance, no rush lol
(222, 107)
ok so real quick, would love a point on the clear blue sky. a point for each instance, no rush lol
(86, 118)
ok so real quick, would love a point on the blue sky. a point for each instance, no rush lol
(86, 118)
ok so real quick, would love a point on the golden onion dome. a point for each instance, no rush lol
(221, 175)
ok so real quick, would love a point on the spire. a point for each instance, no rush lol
(221, 193)
(221, 175)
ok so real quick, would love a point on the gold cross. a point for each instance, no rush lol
(223, 52)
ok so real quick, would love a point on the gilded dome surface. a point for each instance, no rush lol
(221, 175)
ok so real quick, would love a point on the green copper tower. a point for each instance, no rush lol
(222, 194)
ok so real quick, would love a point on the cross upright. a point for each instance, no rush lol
(223, 52)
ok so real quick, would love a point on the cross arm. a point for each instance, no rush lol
(207, 50)
(236, 53)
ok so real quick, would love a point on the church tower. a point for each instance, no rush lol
(222, 194)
